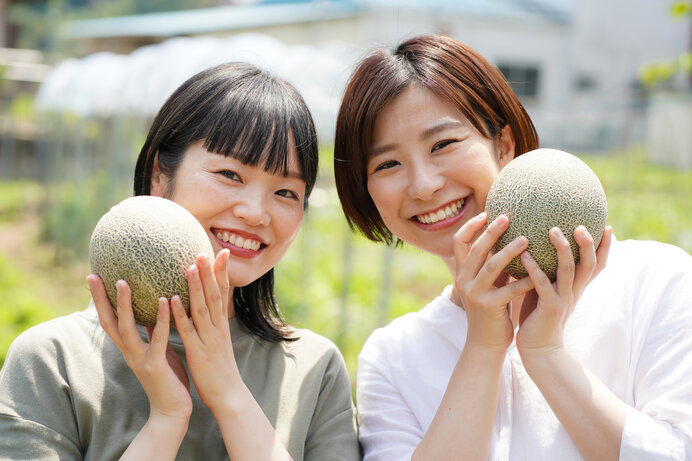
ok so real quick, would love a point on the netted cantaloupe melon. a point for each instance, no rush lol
(149, 242)
(542, 189)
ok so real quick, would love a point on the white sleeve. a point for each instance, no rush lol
(388, 430)
(659, 425)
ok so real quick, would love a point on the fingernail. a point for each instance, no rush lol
(500, 220)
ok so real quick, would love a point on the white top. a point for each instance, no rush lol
(632, 328)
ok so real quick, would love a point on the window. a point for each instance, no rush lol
(585, 82)
(524, 79)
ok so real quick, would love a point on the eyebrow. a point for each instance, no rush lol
(446, 125)
(427, 133)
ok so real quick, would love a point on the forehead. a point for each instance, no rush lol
(416, 110)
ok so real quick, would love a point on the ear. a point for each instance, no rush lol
(505, 146)
(159, 181)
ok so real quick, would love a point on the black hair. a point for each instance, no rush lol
(241, 111)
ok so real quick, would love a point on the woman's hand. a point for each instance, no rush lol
(484, 288)
(545, 311)
(157, 367)
(591, 414)
(206, 335)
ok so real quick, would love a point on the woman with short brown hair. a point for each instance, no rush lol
(596, 365)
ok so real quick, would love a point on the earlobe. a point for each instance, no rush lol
(157, 185)
(505, 146)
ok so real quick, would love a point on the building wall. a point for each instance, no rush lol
(589, 97)
(540, 43)
(611, 41)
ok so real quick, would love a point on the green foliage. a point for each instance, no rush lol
(645, 201)
(74, 210)
(20, 307)
(660, 72)
(22, 107)
(17, 197)
(680, 8)
(31, 19)
(663, 71)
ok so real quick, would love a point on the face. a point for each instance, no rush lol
(252, 212)
(430, 170)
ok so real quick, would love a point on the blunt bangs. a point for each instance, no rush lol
(239, 111)
(256, 121)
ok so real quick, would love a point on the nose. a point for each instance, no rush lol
(424, 181)
(253, 210)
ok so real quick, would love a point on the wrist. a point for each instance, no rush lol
(544, 357)
(492, 347)
(482, 357)
(486, 350)
(233, 403)
(167, 427)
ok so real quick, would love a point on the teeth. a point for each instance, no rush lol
(443, 213)
(240, 242)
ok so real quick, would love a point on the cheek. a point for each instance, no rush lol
(382, 194)
(288, 224)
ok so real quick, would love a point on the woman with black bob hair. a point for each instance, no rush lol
(597, 365)
(254, 118)
(237, 148)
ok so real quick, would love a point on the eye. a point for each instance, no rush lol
(443, 144)
(287, 193)
(386, 165)
(230, 174)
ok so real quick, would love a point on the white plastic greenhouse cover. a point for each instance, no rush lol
(107, 84)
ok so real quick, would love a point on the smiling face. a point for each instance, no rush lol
(254, 213)
(429, 169)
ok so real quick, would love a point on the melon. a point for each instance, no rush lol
(149, 242)
(542, 189)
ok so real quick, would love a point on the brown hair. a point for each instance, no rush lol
(448, 68)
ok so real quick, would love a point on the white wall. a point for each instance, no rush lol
(606, 41)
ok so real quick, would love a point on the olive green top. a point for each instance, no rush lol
(67, 394)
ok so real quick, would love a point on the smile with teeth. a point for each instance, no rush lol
(238, 241)
(445, 212)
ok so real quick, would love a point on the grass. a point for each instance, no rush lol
(646, 202)
(339, 285)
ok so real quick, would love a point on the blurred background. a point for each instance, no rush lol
(80, 80)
